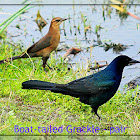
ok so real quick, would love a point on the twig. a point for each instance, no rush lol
(73, 51)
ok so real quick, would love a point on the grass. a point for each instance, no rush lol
(8, 21)
(35, 108)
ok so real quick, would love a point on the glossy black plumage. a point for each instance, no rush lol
(95, 89)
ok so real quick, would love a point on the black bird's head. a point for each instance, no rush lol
(57, 21)
(121, 61)
(124, 60)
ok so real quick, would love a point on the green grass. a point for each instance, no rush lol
(27, 108)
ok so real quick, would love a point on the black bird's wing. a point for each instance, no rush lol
(91, 85)
(41, 44)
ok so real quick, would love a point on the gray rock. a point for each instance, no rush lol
(134, 83)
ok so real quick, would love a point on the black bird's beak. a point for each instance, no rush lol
(133, 61)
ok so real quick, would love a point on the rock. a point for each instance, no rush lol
(133, 83)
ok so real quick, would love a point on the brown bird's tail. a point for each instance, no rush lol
(14, 58)
(9, 59)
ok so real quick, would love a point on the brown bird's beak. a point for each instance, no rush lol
(63, 19)
(133, 61)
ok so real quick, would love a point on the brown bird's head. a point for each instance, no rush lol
(57, 21)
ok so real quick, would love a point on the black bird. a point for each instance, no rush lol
(95, 89)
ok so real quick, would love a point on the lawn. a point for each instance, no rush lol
(34, 112)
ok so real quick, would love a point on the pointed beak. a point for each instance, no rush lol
(133, 61)
(63, 19)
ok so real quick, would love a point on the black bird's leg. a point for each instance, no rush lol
(44, 63)
(95, 111)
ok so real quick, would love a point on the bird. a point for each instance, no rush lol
(45, 45)
(95, 89)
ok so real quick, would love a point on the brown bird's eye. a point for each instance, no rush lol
(58, 20)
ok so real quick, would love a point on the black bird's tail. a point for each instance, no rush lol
(35, 84)
(14, 58)
(42, 85)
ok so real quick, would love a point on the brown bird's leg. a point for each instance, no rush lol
(44, 63)
(95, 111)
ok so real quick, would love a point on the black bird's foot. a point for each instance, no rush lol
(98, 116)
(95, 111)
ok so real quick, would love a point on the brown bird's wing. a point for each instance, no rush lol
(41, 44)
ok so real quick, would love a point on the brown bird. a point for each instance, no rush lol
(45, 45)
